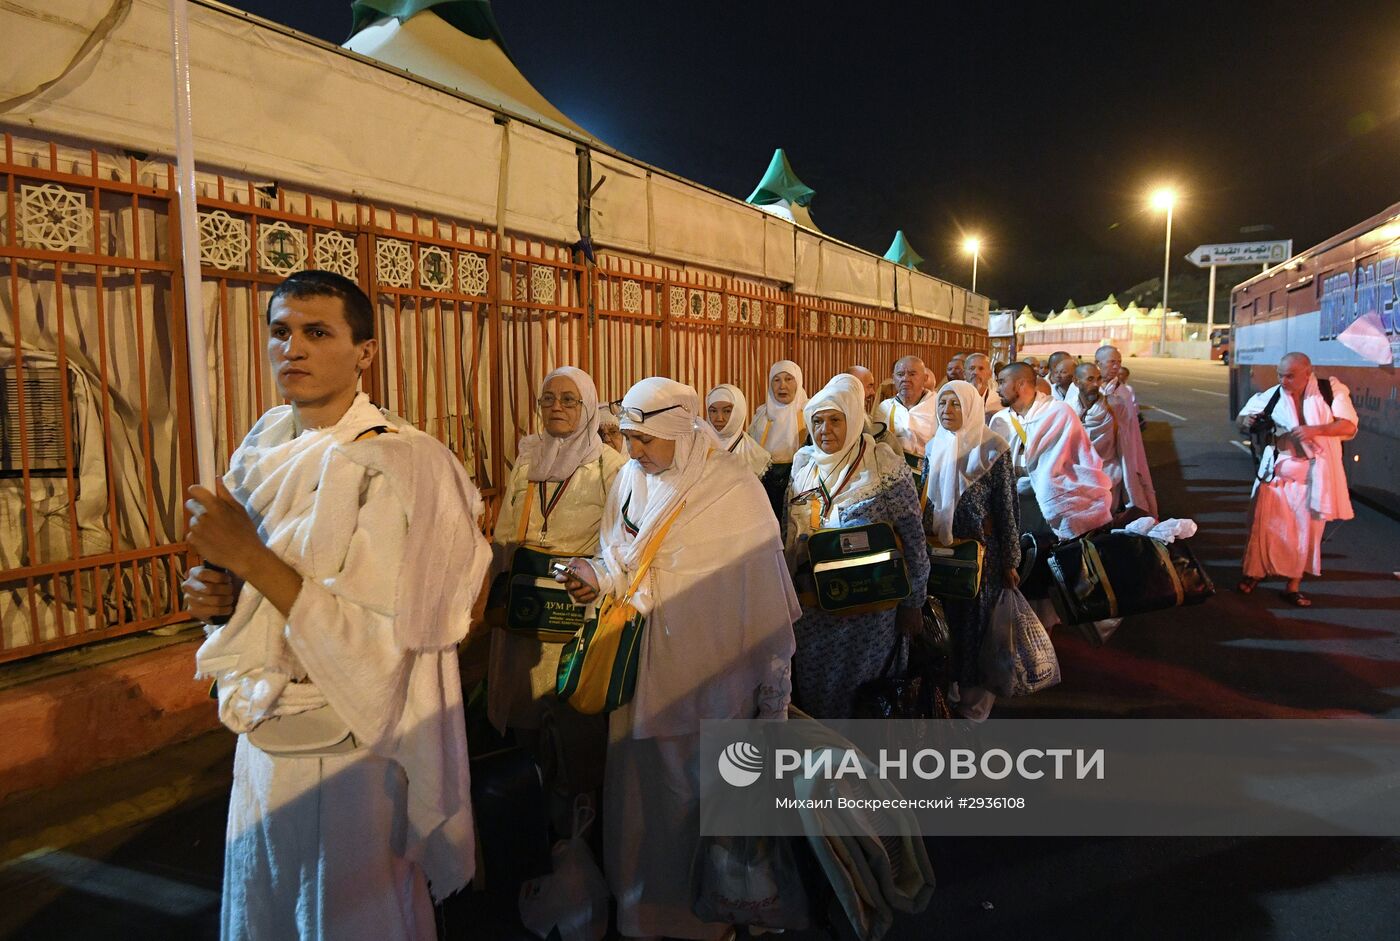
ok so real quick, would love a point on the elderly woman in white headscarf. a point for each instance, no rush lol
(717, 642)
(778, 427)
(844, 479)
(971, 494)
(726, 408)
(553, 502)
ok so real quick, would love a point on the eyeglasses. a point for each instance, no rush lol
(636, 414)
(567, 400)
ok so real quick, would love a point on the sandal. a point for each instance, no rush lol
(1297, 599)
(1246, 585)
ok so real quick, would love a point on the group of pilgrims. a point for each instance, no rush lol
(733, 628)
(345, 567)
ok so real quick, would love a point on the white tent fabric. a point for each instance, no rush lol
(428, 46)
(242, 75)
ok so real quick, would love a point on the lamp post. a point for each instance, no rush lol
(1165, 199)
(973, 246)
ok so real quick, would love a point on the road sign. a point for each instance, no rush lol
(1241, 253)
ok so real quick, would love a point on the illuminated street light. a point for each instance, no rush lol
(973, 246)
(1165, 199)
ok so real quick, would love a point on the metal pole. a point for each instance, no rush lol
(196, 343)
(1166, 275)
(1210, 305)
(975, 253)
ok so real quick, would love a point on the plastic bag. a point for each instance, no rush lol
(573, 899)
(1017, 657)
(749, 880)
(1166, 531)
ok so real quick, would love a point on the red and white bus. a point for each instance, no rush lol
(1305, 305)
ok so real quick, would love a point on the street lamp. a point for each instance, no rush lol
(1165, 199)
(973, 246)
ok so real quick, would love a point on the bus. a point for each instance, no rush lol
(1335, 302)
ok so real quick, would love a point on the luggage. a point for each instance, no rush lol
(537, 606)
(1119, 574)
(858, 568)
(955, 571)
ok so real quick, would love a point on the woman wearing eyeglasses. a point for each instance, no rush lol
(717, 642)
(845, 480)
(726, 408)
(553, 503)
(778, 428)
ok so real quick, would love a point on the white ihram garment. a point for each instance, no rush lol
(1101, 424)
(914, 427)
(717, 645)
(340, 847)
(1137, 475)
(1054, 459)
(1307, 490)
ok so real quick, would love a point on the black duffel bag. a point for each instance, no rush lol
(1119, 574)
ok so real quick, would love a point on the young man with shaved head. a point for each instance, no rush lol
(1301, 482)
(911, 414)
(977, 369)
(1058, 473)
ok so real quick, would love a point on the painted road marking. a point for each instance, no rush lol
(117, 883)
(1223, 395)
(1242, 446)
(1158, 408)
(1144, 382)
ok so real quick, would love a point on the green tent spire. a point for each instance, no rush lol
(902, 253)
(780, 184)
(473, 17)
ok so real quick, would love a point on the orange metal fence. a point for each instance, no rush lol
(95, 427)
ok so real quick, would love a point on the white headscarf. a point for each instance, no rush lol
(552, 458)
(957, 459)
(845, 394)
(650, 498)
(738, 418)
(783, 436)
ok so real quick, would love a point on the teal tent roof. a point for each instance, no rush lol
(902, 253)
(780, 184)
(473, 17)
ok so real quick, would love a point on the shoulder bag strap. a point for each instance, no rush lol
(651, 550)
(525, 509)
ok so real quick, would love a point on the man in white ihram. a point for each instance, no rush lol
(1052, 457)
(1301, 482)
(977, 369)
(351, 547)
(874, 427)
(913, 412)
(1137, 476)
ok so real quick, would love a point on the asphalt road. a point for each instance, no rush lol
(1234, 657)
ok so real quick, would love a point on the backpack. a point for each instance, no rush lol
(1262, 430)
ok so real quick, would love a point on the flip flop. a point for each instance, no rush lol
(1247, 585)
(1297, 599)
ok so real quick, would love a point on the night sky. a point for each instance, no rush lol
(1040, 128)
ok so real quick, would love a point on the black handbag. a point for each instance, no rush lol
(1119, 574)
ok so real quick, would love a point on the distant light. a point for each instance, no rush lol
(1163, 199)
(1356, 457)
(972, 245)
